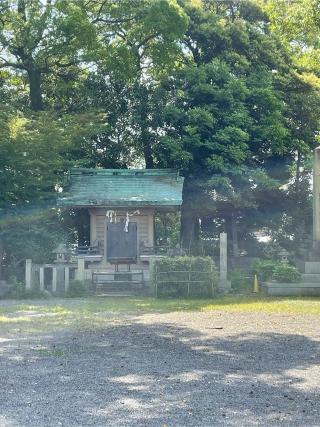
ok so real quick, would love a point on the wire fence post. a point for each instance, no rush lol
(189, 280)
(156, 280)
(212, 282)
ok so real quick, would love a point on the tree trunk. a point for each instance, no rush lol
(147, 151)
(234, 233)
(190, 229)
(145, 136)
(35, 92)
(297, 177)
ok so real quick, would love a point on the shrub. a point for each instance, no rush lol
(278, 271)
(19, 291)
(264, 269)
(285, 273)
(77, 288)
(240, 280)
(188, 277)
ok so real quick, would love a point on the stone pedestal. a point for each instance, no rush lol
(81, 268)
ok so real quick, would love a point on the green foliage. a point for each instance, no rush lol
(297, 24)
(271, 250)
(240, 280)
(274, 270)
(285, 273)
(167, 229)
(78, 288)
(35, 152)
(230, 118)
(30, 234)
(187, 277)
(264, 269)
(226, 91)
(20, 292)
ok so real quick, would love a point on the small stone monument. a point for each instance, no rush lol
(61, 253)
(60, 272)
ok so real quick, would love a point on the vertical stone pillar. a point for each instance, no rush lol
(224, 284)
(80, 271)
(66, 278)
(54, 279)
(41, 277)
(28, 276)
(316, 198)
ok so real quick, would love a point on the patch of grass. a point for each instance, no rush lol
(55, 352)
(91, 313)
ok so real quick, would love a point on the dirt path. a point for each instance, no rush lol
(177, 369)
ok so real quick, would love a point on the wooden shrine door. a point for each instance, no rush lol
(122, 246)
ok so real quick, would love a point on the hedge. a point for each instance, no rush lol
(186, 277)
(277, 271)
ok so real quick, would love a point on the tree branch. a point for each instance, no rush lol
(6, 64)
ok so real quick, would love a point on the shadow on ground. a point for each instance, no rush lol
(140, 374)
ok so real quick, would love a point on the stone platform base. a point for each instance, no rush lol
(291, 289)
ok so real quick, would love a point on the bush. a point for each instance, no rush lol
(187, 277)
(264, 269)
(277, 271)
(240, 280)
(285, 273)
(19, 291)
(77, 288)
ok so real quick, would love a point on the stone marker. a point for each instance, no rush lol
(54, 279)
(41, 278)
(224, 283)
(28, 273)
(66, 278)
(81, 268)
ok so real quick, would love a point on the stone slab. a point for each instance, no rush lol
(291, 289)
(311, 277)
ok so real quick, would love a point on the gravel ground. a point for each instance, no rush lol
(176, 369)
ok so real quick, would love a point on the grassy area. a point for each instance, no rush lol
(88, 313)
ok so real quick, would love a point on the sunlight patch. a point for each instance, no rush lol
(131, 379)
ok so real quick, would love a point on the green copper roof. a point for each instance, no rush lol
(123, 187)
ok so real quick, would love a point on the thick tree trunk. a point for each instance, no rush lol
(145, 136)
(147, 151)
(190, 228)
(35, 92)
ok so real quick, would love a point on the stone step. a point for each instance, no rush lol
(291, 289)
(311, 277)
(119, 285)
(115, 294)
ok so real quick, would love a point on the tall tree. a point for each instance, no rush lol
(226, 113)
(38, 38)
(298, 25)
